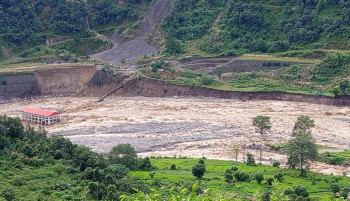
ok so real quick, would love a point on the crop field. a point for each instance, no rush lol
(318, 185)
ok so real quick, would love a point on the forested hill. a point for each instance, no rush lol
(36, 28)
(30, 23)
(268, 26)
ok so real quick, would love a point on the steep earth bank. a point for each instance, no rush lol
(157, 88)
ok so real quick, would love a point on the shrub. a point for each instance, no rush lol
(334, 160)
(279, 176)
(344, 85)
(241, 176)
(335, 91)
(345, 192)
(173, 167)
(276, 164)
(259, 177)
(269, 181)
(201, 161)
(228, 176)
(8, 194)
(288, 191)
(266, 196)
(234, 168)
(151, 174)
(335, 188)
(301, 191)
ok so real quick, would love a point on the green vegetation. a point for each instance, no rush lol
(165, 71)
(34, 167)
(337, 158)
(273, 26)
(262, 123)
(319, 79)
(239, 182)
(64, 24)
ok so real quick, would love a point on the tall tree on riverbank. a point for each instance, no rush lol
(302, 149)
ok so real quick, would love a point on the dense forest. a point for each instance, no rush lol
(259, 26)
(195, 27)
(35, 167)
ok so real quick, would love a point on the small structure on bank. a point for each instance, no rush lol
(40, 116)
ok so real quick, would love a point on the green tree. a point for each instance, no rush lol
(123, 150)
(198, 170)
(344, 86)
(250, 159)
(117, 171)
(345, 192)
(303, 124)
(262, 123)
(172, 45)
(335, 189)
(302, 148)
(146, 164)
(259, 177)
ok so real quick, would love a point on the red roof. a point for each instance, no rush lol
(46, 113)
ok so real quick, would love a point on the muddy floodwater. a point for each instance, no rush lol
(192, 127)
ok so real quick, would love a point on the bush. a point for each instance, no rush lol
(301, 191)
(279, 176)
(151, 174)
(234, 168)
(201, 161)
(335, 188)
(8, 194)
(259, 177)
(276, 164)
(241, 176)
(269, 181)
(228, 176)
(344, 85)
(345, 192)
(334, 160)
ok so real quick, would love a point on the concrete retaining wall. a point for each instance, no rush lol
(18, 85)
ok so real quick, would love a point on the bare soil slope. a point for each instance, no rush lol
(126, 53)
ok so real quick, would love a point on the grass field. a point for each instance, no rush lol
(318, 185)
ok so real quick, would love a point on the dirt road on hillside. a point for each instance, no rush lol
(192, 127)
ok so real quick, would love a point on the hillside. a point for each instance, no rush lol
(74, 26)
(212, 28)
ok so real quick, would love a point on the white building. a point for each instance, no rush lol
(39, 116)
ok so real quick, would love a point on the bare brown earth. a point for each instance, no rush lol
(192, 127)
